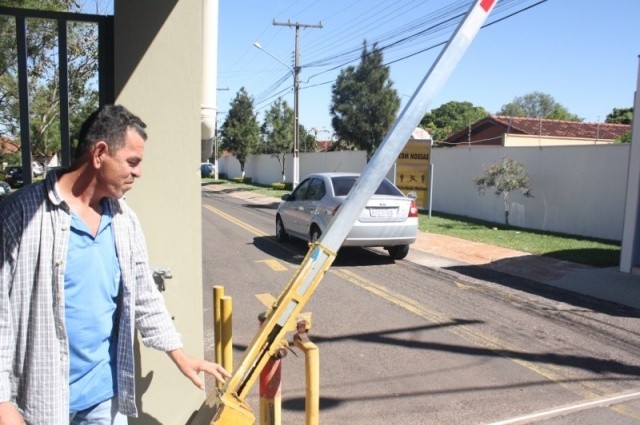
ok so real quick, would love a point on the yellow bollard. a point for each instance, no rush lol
(218, 292)
(312, 373)
(226, 307)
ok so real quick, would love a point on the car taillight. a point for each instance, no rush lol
(335, 210)
(413, 210)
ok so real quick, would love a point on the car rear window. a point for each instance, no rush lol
(342, 185)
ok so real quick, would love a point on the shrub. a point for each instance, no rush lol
(282, 186)
(246, 180)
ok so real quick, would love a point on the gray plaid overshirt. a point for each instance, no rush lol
(34, 357)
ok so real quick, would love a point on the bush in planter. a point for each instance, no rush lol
(246, 180)
(282, 186)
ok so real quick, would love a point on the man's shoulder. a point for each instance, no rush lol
(26, 198)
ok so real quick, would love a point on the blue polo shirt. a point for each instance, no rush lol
(91, 285)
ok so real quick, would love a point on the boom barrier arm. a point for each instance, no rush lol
(227, 406)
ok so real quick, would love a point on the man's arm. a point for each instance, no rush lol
(9, 414)
(192, 367)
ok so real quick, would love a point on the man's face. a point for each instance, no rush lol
(119, 169)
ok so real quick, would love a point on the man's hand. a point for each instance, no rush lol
(9, 414)
(192, 367)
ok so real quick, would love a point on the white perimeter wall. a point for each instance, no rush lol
(266, 169)
(578, 190)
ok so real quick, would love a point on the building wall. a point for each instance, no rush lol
(266, 169)
(577, 190)
(158, 76)
(531, 140)
(485, 135)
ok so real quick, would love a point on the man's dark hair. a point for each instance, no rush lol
(110, 124)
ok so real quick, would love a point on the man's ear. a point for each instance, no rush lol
(100, 149)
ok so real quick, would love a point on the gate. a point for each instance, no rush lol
(104, 73)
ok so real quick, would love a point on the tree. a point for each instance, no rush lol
(450, 118)
(537, 105)
(307, 141)
(505, 176)
(277, 131)
(44, 85)
(621, 116)
(240, 132)
(363, 103)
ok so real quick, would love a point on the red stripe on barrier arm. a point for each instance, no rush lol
(486, 4)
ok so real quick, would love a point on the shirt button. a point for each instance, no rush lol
(64, 228)
(59, 262)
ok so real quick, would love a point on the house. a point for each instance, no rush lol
(8, 146)
(330, 145)
(497, 130)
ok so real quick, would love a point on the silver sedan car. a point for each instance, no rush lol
(389, 220)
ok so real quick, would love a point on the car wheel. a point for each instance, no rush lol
(315, 234)
(398, 252)
(281, 233)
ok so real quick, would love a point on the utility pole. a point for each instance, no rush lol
(296, 88)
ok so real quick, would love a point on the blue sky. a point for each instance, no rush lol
(583, 53)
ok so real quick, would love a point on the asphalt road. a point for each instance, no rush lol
(401, 343)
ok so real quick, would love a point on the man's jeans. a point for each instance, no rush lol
(105, 413)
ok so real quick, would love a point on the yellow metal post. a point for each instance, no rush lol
(218, 292)
(312, 374)
(226, 307)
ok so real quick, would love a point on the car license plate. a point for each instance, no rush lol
(381, 212)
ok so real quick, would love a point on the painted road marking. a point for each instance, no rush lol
(274, 265)
(236, 221)
(604, 402)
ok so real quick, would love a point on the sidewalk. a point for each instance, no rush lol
(463, 257)
(453, 254)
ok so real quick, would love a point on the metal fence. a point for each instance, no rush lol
(105, 73)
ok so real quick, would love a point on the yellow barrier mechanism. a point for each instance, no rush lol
(227, 406)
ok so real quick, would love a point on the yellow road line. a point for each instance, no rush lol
(274, 265)
(236, 221)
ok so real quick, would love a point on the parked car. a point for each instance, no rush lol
(5, 189)
(13, 176)
(389, 220)
(207, 169)
(37, 168)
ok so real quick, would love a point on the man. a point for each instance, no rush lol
(76, 284)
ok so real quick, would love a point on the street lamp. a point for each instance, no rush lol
(295, 71)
